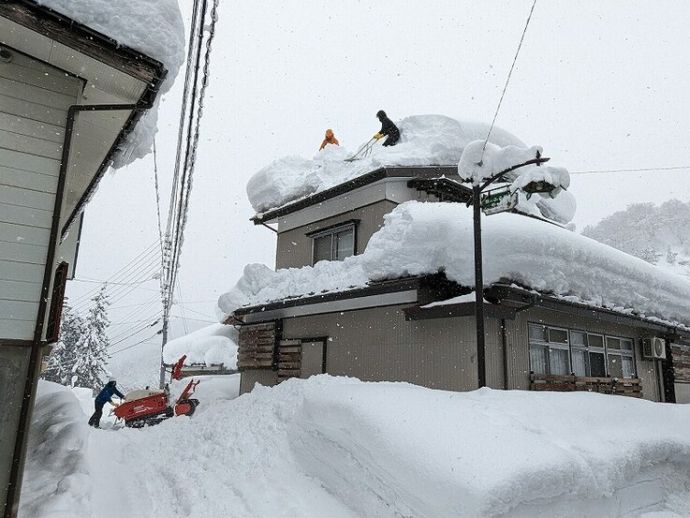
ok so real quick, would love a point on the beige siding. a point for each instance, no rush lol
(378, 344)
(295, 248)
(518, 353)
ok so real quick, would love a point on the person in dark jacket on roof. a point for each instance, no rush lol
(388, 129)
(103, 397)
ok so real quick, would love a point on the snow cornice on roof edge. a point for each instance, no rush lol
(412, 172)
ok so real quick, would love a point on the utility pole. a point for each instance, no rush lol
(479, 286)
(477, 190)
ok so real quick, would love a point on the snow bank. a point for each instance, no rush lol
(56, 482)
(210, 345)
(426, 238)
(153, 27)
(425, 140)
(338, 447)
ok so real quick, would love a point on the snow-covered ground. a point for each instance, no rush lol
(338, 447)
(425, 238)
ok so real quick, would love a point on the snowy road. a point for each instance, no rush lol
(341, 448)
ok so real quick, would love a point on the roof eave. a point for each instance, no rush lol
(359, 181)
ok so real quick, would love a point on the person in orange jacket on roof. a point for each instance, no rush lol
(330, 139)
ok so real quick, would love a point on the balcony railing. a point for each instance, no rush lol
(571, 383)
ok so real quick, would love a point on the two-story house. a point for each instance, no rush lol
(419, 327)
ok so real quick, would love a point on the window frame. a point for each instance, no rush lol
(332, 232)
(585, 348)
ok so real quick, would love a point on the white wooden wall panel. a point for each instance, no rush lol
(33, 112)
(27, 162)
(12, 177)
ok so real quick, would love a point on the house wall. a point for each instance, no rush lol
(380, 345)
(518, 351)
(294, 248)
(34, 99)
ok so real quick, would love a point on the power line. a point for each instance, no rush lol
(638, 170)
(145, 340)
(510, 73)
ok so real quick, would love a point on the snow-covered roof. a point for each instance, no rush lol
(424, 140)
(426, 238)
(210, 345)
(152, 27)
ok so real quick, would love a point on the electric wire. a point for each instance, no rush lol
(637, 170)
(510, 73)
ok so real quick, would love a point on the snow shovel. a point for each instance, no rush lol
(364, 151)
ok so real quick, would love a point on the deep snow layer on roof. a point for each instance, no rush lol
(426, 238)
(425, 140)
(210, 345)
(153, 27)
(337, 447)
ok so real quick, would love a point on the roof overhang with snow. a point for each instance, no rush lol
(119, 84)
(424, 296)
(417, 174)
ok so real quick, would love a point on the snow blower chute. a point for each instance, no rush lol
(148, 407)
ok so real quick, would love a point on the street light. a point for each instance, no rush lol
(478, 187)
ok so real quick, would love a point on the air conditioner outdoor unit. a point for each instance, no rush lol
(654, 348)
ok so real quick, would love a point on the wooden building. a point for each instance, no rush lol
(68, 98)
(421, 329)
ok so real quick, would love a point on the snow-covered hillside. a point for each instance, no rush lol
(659, 234)
(338, 447)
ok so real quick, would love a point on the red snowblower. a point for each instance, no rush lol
(148, 407)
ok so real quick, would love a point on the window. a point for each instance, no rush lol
(563, 351)
(334, 244)
(621, 357)
(549, 350)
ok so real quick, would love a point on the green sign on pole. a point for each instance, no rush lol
(498, 200)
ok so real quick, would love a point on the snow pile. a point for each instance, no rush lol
(426, 238)
(153, 27)
(57, 481)
(210, 345)
(425, 140)
(479, 163)
(338, 447)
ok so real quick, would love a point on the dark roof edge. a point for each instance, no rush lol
(350, 185)
(60, 27)
(371, 289)
(496, 293)
(57, 26)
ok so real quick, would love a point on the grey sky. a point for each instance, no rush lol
(600, 85)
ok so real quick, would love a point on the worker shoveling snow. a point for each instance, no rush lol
(339, 447)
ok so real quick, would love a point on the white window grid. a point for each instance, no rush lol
(332, 234)
(587, 348)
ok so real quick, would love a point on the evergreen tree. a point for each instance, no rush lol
(92, 354)
(63, 356)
